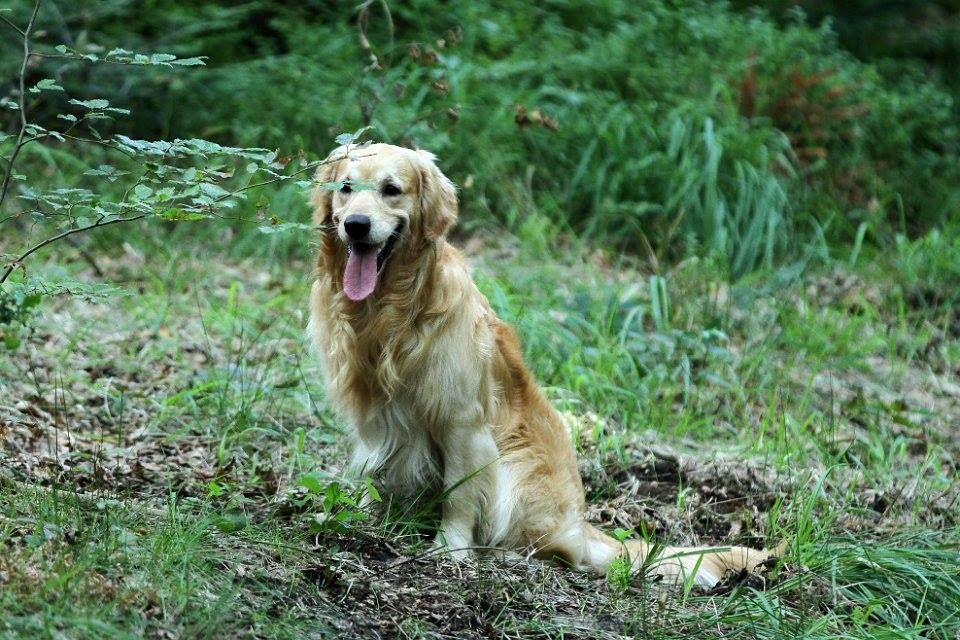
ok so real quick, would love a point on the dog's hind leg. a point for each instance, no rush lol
(587, 548)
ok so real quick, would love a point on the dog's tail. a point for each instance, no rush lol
(705, 566)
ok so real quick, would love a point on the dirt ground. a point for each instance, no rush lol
(89, 410)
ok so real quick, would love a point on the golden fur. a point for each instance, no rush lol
(434, 389)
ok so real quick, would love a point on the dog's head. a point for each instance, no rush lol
(387, 199)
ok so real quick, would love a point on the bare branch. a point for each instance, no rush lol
(22, 104)
(69, 232)
(87, 256)
(13, 26)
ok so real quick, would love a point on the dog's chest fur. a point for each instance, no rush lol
(406, 391)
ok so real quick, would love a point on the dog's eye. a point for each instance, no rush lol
(391, 189)
(346, 188)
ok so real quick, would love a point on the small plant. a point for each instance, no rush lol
(620, 570)
(341, 507)
(619, 573)
(16, 307)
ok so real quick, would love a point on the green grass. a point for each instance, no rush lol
(732, 265)
(173, 427)
(100, 567)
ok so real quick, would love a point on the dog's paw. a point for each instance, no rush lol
(454, 544)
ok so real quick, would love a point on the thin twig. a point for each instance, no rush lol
(48, 134)
(69, 232)
(307, 167)
(87, 257)
(109, 144)
(13, 264)
(363, 14)
(15, 27)
(22, 104)
(432, 551)
(100, 223)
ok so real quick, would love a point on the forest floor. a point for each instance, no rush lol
(168, 467)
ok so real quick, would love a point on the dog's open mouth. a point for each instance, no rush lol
(364, 264)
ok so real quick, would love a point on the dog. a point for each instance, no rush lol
(433, 386)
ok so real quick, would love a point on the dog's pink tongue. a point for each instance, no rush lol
(360, 276)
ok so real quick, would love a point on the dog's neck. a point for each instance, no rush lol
(379, 327)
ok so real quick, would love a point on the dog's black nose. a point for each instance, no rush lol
(357, 226)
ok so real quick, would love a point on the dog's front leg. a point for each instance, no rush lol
(468, 473)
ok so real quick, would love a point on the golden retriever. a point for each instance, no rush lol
(433, 386)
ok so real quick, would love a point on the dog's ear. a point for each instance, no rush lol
(322, 198)
(438, 198)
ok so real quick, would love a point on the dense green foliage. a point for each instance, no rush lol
(915, 33)
(664, 128)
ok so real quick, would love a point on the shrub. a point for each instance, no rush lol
(664, 128)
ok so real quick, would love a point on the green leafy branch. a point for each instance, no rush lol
(202, 207)
(178, 180)
(164, 180)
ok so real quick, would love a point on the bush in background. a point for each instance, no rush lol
(662, 128)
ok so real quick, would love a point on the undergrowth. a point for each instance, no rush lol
(188, 475)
